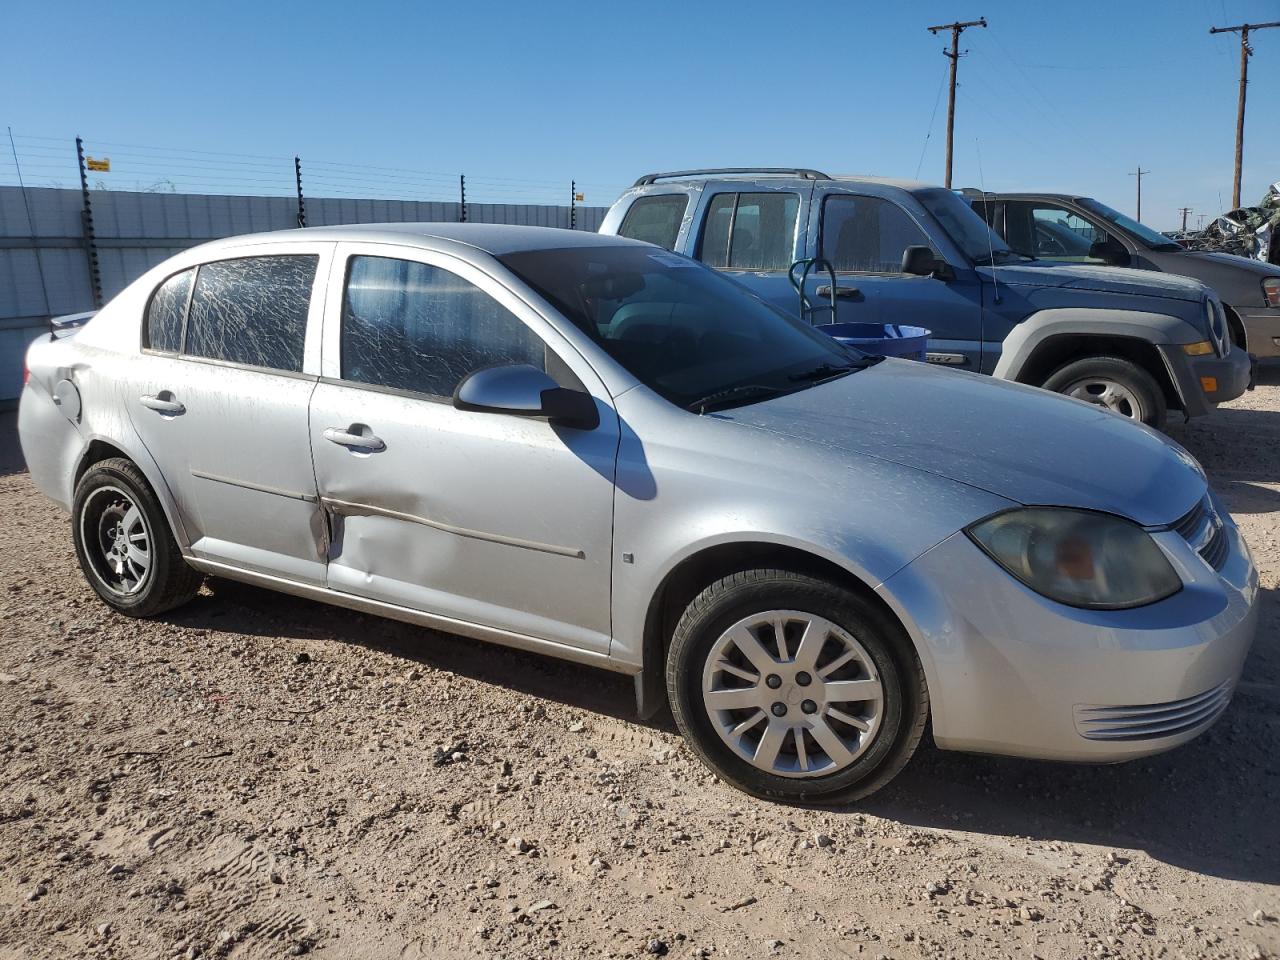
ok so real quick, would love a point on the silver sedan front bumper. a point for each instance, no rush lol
(1012, 672)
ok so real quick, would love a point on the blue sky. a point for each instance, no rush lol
(395, 99)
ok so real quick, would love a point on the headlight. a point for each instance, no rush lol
(1078, 557)
(1216, 319)
(1271, 291)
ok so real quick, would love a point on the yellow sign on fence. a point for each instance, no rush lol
(579, 197)
(102, 166)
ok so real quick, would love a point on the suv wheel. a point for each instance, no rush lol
(1120, 385)
(124, 544)
(792, 688)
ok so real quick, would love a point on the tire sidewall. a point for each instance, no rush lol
(1135, 379)
(108, 473)
(692, 643)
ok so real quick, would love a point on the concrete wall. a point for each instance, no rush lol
(44, 263)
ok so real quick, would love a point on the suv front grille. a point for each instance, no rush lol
(1205, 531)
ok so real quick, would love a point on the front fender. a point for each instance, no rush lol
(1157, 329)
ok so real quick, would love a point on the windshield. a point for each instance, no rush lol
(1153, 239)
(967, 230)
(693, 336)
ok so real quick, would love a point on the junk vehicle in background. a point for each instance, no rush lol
(592, 448)
(871, 250)
(1247, 232)
(1063, 228)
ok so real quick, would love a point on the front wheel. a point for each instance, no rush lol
(1119, 385)
(796, 689)
(124, 544)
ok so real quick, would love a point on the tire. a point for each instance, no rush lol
(1114, 383)
(123, 542)
(707, 669)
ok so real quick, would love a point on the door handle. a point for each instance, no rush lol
(161, 405)
(344, 438)
(842, 293)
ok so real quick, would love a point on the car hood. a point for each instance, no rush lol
(1231, 260)
(1018, 442)
(1102, 279)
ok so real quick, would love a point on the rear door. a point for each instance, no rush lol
(219, 397)
(864, 238)
(754, 232)
(481, 518)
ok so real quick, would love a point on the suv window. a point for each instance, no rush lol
(1051, 232)
(655, 219)
(750, 231)
(166, 312)
(867, 234)
(252, 310)
(413, 326)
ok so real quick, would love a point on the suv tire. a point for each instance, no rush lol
(829, 716)
(1119, 385)
(124, 543)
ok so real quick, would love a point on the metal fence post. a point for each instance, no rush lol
(573, 205)
(86, 228)
(462, 188)
(302, 204)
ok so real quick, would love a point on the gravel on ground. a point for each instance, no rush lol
(255, 775)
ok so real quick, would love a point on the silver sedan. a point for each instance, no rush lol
(593, 448)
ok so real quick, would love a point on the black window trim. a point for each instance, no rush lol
(236, 364)
(733, 219)
(144, 338)
(822, 226)
(653, 196)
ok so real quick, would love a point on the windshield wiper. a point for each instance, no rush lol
(726, 397)
(830, 371)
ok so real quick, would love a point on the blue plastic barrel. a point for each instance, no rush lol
(881, 339)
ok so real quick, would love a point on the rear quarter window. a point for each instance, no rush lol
(166, 313)
(655, 219)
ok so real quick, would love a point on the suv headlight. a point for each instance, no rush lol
(1216, 320)
(1078, 557)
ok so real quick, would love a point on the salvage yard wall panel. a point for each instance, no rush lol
(135, 231)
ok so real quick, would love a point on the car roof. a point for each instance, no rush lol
(655, 181)
(492, 238)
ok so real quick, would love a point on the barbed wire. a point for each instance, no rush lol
(51, 161)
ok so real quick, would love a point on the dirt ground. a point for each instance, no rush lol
(259, 776)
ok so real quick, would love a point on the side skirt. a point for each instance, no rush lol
(408, 615)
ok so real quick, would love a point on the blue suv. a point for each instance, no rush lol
(891, 251)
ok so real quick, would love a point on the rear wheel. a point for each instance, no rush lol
(1119, 385)
(793, 688)
(124, 544)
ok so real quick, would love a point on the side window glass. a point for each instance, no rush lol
(655, 219)
(1059, 234)
(252, 311)
(166, 313)
(750, 231)
(868, 234)
(413, 326)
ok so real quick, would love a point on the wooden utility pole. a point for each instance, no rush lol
(954, 55)
(1184, 211)
(1140, 174)
(1246, 52)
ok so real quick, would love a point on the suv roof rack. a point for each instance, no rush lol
(804, 172)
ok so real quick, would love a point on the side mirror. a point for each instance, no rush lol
(921, 261)
(522, 390)
(1110, 252)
